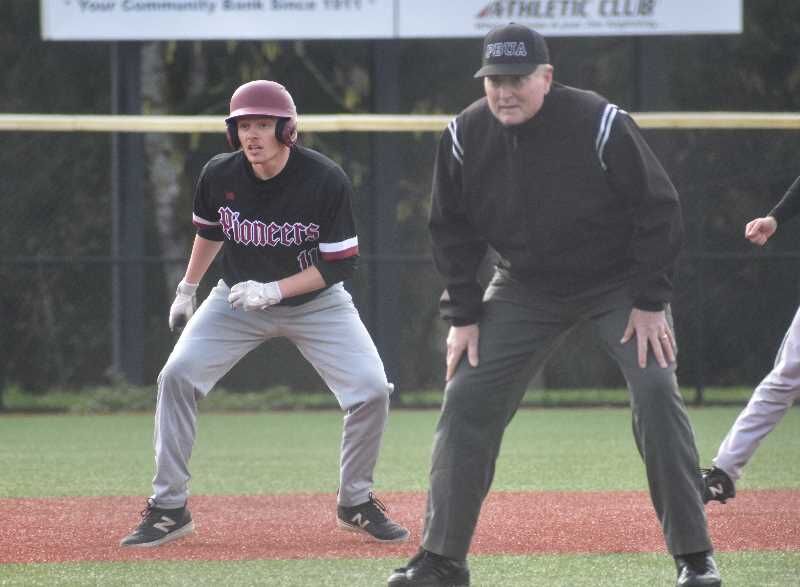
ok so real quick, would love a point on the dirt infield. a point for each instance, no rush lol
(303, 526)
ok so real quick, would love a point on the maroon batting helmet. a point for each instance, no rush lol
(263, 98)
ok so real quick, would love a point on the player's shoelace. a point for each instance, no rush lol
(151, 504)
(379, 510)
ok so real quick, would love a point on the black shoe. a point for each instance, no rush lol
(717, 485)
(160, 526)
(398, 576)
(697, 570)
(427, 569)
(370, 518)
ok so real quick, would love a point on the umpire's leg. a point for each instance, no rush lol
(478, 404)
(664, 437)
(214, 340)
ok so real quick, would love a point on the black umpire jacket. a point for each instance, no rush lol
(571, 199)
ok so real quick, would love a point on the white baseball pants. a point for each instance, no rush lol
(327, 331)
(767, 406)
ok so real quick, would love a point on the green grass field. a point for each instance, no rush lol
(261, 453)
(774, 569)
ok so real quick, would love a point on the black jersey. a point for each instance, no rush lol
(277, 227)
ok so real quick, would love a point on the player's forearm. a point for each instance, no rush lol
(789, 206)
(306, 281)
(203, 253)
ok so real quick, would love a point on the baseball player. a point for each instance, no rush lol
(775, 394)
(587, 226)
(281, 214)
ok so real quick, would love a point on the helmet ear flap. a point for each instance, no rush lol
(233, 134)
(286, 131)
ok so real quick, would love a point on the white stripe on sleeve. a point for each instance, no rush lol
(197, 221)
(458, 150)
(340, 250)
(606, 121)
(340, 246)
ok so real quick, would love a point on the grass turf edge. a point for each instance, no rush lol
(763, 568)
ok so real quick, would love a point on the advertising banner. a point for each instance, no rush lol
(377, 19)
(569, 18)
(117, 20)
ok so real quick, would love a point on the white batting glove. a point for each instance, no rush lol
(254, 295)
(183, 307)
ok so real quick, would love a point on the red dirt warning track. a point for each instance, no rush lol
(303, 526)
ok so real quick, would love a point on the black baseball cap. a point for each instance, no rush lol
(513, 49)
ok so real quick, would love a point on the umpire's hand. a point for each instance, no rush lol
(651, 329)
(458, 339)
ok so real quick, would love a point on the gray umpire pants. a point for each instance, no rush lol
(518, 332)
(327, 331)
(767, 406)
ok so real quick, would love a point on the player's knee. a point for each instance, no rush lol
(379, 388)
(372, 385)
(779, 387)
(175, 376)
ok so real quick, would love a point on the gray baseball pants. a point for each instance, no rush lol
(518, 332)
(767, 406)
(327, 331)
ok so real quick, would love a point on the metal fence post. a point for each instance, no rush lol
(384, 281)
(127, 209)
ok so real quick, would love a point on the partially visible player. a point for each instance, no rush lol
(281, 214)
(775, 394)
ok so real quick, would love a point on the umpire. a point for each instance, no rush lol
(587, 225)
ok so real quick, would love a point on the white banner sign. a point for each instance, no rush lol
(570, 18)
(109, 20)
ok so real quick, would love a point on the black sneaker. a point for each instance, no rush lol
(697, 570)
(160, 526)
(370, 518)
(427, 569)
(717, 485)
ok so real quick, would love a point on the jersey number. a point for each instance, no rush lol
(307, 258)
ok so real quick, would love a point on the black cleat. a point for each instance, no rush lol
(717, 485)
(697, 570)
(427, 569)
(370, 518)
(160, 526)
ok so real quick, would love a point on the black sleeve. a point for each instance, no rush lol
(457, 248)
(789, 205)
(634, 171)
(338, 242)
(204, 213)
(337, 271)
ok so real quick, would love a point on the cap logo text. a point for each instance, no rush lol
(506, 49)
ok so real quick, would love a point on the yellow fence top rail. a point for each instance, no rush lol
(367, 122)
